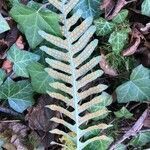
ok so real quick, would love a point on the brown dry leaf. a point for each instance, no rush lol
(12, 35)
(147, 121)
(146, 29)
(7, 65)
(3, 48)
(147, 44)
(108, 6)
(9, 146)
(119, 5)
(3, 4)
(20, 43)
(16, 134)
(132, 49)
(106, 68)
(135, 40)
(19, 133)
(39, 119)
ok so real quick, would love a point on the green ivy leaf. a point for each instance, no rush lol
(21, 59)
(19, 94)
(3, 25)
(40, 79)
(118, 40)
(32, 20)
(137, 89)
(2, 76)
(103, 27)
(120, 147)
(99, 145)
(105, 100)
(123, 113)
(146, 8)
(141, 139)
(89, 8)
(121, 17)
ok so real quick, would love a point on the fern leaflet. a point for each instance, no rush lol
(71, 67)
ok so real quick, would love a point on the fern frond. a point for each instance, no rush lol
(72, 67)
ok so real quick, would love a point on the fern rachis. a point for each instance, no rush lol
(75, 72)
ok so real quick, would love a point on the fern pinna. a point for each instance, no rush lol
(71, 67)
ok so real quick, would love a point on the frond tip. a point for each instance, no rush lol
(72, 70)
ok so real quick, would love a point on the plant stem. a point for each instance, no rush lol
(10, 112)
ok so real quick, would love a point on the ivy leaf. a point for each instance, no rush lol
(105, 100)
(89, 8)
(21, 60)
(120, 147)
(19, 94)
(141, 139)
(99, 145)
(103, 27)
(40, 79)
(32, 20)
(137, 89)
(2, 76)
(123, 113)
(3, 25)
(145, 8)
(121, 17)
(118, 40)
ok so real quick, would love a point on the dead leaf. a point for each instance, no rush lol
(147, 121)
(9, 146)
(132, 49)
(147, 44)
(15, 134)
(7, 65)
(106, 68)
(3, 48)
(20, 43)
(135, 40)
(39, 116)
(3, 4)
(108, 6)
(12, 35)
(119, 5)
(39, 119)
(146, 29)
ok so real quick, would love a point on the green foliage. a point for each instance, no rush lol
(146, 8)
(40, 79)
(99, 145)
(90, 8)
(106, 101)
(119, 62)
(137, 89)
(120, 147)
(21, 59)
(117, 30)
(32, 20)
(72, 70)
(19, 94)
(2, 76)
(3, 25)
(123, 113)
(103, 27)
(141, 139)
(121, 17)
(118, 39)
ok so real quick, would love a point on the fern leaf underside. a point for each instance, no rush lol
(70, 66)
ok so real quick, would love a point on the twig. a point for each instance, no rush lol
(43, 6)
(134, 106)
(133, 131)
(11, 112)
